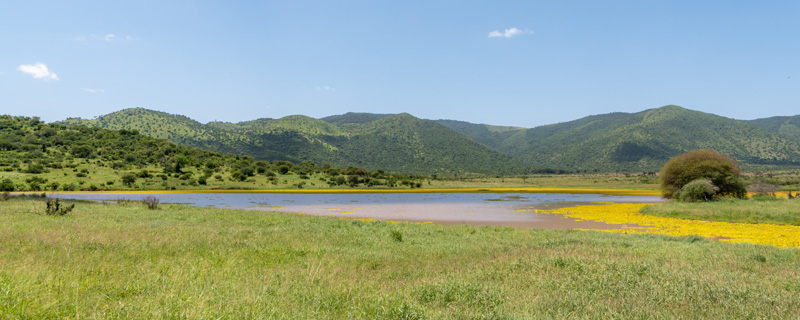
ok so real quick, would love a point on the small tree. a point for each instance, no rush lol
(711, 165)
(129, 180)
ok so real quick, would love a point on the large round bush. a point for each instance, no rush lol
(706, 164)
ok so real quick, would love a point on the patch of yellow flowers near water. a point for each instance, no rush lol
(783, 236)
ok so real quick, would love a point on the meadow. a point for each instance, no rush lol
(770, 210)
(126, 261)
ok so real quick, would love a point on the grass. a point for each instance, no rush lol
(126, 261)
(753, 210)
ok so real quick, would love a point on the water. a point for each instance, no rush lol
(444, 208)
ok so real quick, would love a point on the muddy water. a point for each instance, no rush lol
(489, 209)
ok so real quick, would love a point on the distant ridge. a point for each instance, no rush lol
(618, 141)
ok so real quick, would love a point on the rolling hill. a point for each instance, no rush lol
(632, 142)
(646, 140)
(398, 143)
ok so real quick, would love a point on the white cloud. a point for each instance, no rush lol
(94, 90)
(507, 33)
(325, 88)
(109, 37)
(38, 71)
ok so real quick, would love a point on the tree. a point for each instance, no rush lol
(129, 180)
(7, 185)
(720, 169)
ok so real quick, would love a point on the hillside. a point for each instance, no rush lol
(397, 143)
(404, 143)
(36, 156)
(641, 141)
(485, 134)
(646, 140)
(787, 127)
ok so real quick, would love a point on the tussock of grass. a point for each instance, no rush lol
(125, 261)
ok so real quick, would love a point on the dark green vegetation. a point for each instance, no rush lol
(397, 143)
(615, 142)
(698, 169)
(642, 141)
(787, 127)
(759, 209)
(126, 261)
(38, 156)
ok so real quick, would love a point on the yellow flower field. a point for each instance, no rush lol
(783, 236)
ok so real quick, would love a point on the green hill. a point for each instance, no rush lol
(353, 117)
(644, 141)
(36, 156)
(787, 127)
(397, 143)
(485, 134)
(406, 144)
(641, 141)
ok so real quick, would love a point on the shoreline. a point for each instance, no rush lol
(611, 192)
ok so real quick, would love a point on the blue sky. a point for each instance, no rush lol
(521, 63)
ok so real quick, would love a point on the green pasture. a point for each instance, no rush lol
(125, 261)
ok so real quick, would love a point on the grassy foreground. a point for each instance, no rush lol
(124, 261)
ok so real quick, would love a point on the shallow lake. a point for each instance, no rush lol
(503, 209)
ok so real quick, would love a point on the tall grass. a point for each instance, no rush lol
(125, 261)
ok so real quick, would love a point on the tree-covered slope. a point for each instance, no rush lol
(646, 140)
(36, 156)
(787, 127)
(353, 117)
(485, 134)
(641, 141)
(408, 144)
(152, 123)
(397, 143)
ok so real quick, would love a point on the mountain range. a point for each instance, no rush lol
(630, 142)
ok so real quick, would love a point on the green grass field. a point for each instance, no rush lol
(125, 261)
(754, 210)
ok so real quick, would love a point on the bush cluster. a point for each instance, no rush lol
(721, 170)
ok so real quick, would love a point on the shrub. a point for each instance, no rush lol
(151, 202)
(763, 189)
(7, 185)
(710, 165)
(698, 190)
(54, 208)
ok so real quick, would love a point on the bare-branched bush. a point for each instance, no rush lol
(763, 189)
(151, 202)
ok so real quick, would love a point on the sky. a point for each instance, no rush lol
(515, 63)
